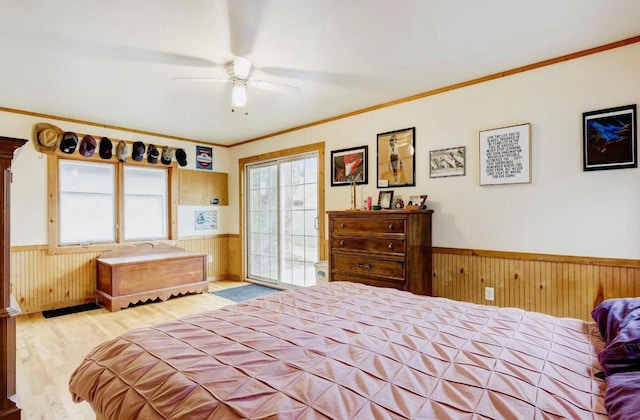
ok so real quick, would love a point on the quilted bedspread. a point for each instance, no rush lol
(349, 351)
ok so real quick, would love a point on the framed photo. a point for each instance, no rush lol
(204, 158)
(206, 220)
(385, 199)
(447, 162)
(505, 155)
(609, 137)
(397, 158)
(349, 165)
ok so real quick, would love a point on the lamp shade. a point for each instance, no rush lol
(239, 96)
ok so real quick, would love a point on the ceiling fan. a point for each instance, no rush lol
(240, 71)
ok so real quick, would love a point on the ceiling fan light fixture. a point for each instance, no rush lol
(239, 96)
(241, 67)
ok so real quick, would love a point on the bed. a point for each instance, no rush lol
(350, 351)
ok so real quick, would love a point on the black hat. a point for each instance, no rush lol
(138, 151)
(181, 157)
(87, 146)
(152, 154)
(69, 142)
(167, 155)
(105, 148)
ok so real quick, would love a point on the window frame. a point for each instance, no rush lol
(53, 205)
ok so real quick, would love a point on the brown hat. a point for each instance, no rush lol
(46, 137)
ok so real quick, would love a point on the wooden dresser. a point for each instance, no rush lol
(387, 248)
(9, 309)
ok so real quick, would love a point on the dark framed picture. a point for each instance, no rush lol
(609, 137)
(349, 165)
(397, 158)
(204, 157)
(385, 199)
(447, 162)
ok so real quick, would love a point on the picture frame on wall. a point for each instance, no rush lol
(349, 165)
(396, 163)
(505, 155)
(609, 138)
(447, 162)
(385, 199)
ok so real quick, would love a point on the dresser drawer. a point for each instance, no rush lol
(371, 244)
(395, 284)
(348, 226)
(368, 266)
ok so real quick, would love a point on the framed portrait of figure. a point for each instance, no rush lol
(396, 163)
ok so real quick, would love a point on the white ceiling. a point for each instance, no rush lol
(112, 61)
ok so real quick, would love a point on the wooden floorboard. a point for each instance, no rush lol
(48, 350)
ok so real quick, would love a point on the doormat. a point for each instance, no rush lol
(246, 292)
(70, 310)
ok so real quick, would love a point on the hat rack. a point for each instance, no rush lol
(37, 128)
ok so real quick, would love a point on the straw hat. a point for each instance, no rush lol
(46, 137)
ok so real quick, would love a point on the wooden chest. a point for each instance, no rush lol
(148, 272)
(387, 248)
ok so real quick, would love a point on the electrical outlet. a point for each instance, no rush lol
(210, 258)
(489, 293)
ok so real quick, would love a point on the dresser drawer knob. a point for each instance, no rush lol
(390, 246)
(390, 226)
(343, 225)
(363, 265)
(341, 242)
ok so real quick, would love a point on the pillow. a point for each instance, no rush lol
(622, 395)
(619, 323)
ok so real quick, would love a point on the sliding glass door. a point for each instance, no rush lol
(281, 215)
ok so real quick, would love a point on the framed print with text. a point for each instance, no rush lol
(505, 155)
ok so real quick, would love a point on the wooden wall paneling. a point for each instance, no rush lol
(563, 286)
(235, 257)
(43, 281)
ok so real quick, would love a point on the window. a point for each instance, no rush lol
(97, 203)
(145, 203)
(87, 202)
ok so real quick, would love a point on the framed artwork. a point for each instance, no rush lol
(205, 220)
(447, 162)
(397, 158)
(385, 199)
(204, 158)
(505, 155)
(349, 165)
(609, 138)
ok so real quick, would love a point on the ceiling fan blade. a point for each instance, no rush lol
(202, 79)
(244, 17)
(273, 86)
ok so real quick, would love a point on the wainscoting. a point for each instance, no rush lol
(559, 285)
(40, 281)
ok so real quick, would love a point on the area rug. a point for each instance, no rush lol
(242, 293)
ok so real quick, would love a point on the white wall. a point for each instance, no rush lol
(29, 188)
(563, 211)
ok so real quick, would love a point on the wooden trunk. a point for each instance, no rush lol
(148, 272)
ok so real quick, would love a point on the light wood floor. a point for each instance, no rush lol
(48, 350)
